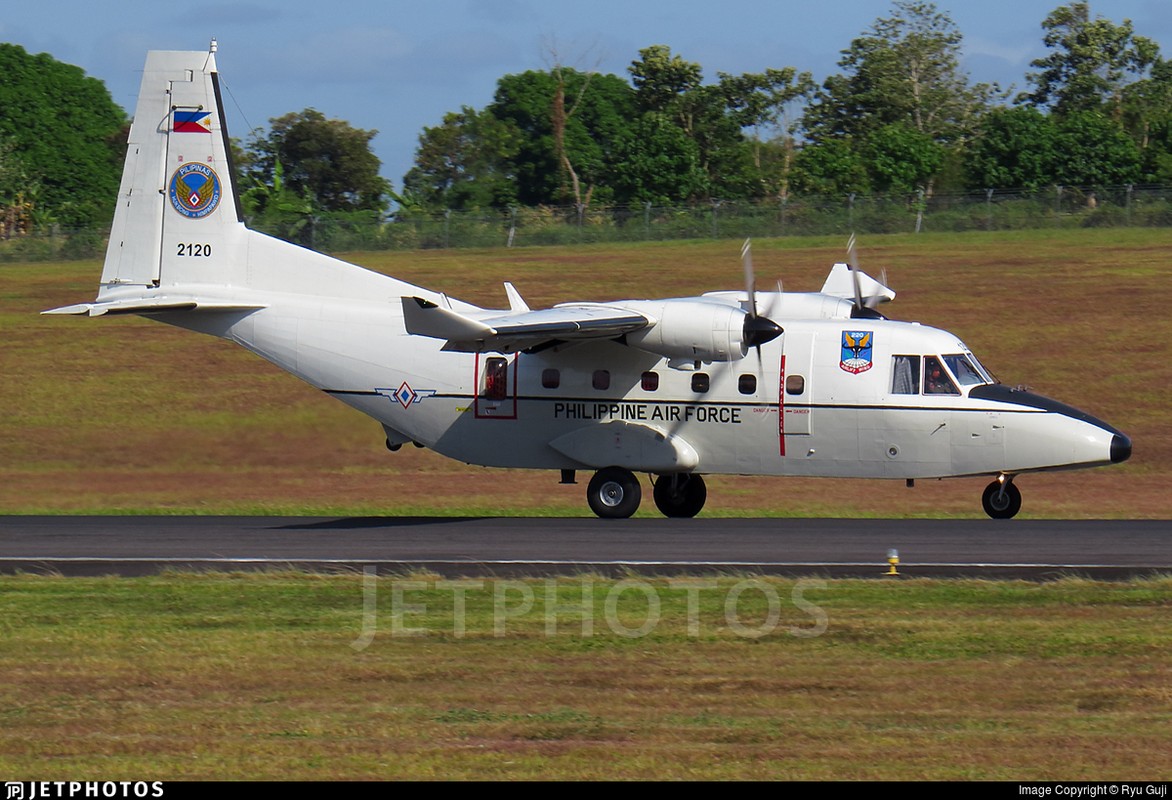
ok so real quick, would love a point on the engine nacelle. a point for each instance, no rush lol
(691, 329)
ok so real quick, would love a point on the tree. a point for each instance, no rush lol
(465, 163)
(902, 159)
(904, 69)
(833, 167)
(1013, 147)
(66, 134)
(326, 160)
(714, 117)
(655, 162)
(1147, 116)
(758, 101)
(662, 79)
(566, 141)
(1092, 150)
(1090, 63)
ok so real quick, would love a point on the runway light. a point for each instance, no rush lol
(892, 562)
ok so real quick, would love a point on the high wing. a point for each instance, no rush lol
(519, 330)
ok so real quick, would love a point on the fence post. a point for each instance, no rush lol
(1057, 200)
(988, 209)
(851, 211)
(919, 209)
(715, 206)
(447, 216)
(646, 220)
(1128, 204)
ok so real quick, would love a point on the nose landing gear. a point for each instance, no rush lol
(1001, 499)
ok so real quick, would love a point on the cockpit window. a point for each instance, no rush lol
(963, 369)
(986, 374)
(936, 380)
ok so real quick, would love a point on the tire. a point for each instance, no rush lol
(680, 495)
(998, 505)
(614, 493)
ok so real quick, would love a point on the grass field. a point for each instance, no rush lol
(288, 676)
(127, 415)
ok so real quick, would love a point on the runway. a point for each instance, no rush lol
(1029, 549)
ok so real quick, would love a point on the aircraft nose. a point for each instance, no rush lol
(1120, 448)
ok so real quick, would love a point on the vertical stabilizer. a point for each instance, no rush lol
(177, 214)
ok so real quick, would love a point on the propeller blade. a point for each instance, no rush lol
(750, 279)
(852, 257)
(875, 299)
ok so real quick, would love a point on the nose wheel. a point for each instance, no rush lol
(1001, 500)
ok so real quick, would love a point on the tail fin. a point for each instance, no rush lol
(179, 242)
(178, 217)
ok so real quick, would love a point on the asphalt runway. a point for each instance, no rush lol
(1029, 549)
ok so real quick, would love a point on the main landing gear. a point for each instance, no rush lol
(1001, 500)
(615, 493)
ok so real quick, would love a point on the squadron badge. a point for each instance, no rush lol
(856, 351)
(195, 190)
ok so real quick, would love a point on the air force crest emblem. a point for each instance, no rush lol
(856, 351)
(195, 190)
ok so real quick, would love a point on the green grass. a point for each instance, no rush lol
(267, 677)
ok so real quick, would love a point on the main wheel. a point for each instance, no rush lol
(680, 495)
(1001, 501)
(614, 493)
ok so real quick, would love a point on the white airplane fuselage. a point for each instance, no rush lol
(831, 422)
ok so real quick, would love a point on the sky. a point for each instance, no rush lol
(397, 67)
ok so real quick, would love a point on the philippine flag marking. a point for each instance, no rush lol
(192, 122)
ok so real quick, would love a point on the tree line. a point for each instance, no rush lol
(900, 117)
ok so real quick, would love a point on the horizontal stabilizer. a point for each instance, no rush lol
(513, 331)
(154, 305)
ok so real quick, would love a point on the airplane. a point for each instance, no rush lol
(731, 382)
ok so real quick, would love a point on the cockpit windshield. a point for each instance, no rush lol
(967, 372)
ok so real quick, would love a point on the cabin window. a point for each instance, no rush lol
(551, 378)
(747, 384)
(649, 381)
(936, 380)
(699, 382)
(795, 384)
(496, 379)
(905, 375)
(601, 379)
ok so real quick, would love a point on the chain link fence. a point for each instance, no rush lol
(990, 210)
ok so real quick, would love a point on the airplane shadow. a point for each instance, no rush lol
(358, 523)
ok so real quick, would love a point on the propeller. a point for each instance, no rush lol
(863, 308)
(758, 329)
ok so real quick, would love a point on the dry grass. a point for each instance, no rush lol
(236, 677)
(125, 414)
